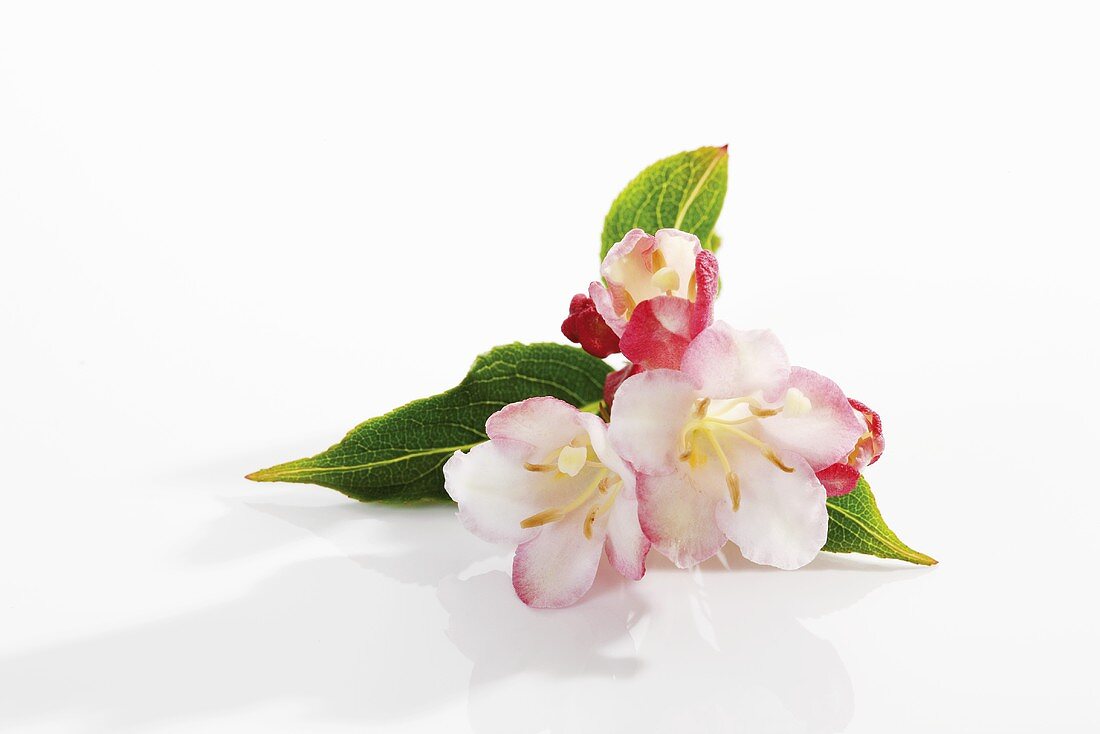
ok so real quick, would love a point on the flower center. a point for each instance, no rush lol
(570, 462)
(706, 423)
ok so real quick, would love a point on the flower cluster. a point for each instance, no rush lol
(713, 436)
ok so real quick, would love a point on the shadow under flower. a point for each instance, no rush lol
(718, 648)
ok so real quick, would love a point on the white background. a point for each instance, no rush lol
(231, 231)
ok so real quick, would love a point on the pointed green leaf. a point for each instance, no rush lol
(856, 526)
(684, 191)
(399, 457)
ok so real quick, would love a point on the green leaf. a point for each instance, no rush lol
(399, 457)
(684, 191)
(856, 526)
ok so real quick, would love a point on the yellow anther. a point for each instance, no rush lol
(541, 518)
(764, 412)
(701, 407)
(734, 486)
(770, 454)
(693, 288)
(538, 467)
(595, 512)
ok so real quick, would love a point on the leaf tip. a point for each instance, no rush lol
(725, 149)
(263, 475)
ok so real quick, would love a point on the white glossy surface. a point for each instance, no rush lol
(207, 220)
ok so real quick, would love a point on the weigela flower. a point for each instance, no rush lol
(728, 447)
(841, 478)
(549, 483)
(659, 294)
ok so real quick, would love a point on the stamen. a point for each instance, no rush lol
(734, 486)
(556, 513)
(701, 407)
(693, 288)
(541, 518)
(539, 467)
(765, 449)
(595, 512)
(764, 412)
(773, 458)
(718, 450)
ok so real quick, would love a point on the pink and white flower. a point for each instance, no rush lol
(728, 447)
(549, 483)
(660, 293)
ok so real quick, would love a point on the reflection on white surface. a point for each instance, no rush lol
(367, 636)
(713, 649)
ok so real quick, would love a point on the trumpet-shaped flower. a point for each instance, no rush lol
(549, 483)
(728, 447)
(659, 294)
(841, 478)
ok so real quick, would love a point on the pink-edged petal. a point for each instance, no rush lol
(650, 411)
(604, 304)
(495, 493)
(545, 424)
(728, 363)
(823, 435)
(626, 544)
(627, 270)
(677, 511)
(557, 566)
(614, 379)
(782, 520)
(706, 289)
(658, 333)
(838, 479)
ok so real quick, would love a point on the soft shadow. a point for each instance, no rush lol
(719, 648)
(313, 638)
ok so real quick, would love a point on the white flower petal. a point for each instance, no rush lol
(626, 544)
(822, 435)
(677, 511)
(557, 566)
(495, 493)
(782, 520)
(727, 363)
(647, 417)
(545, 424)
